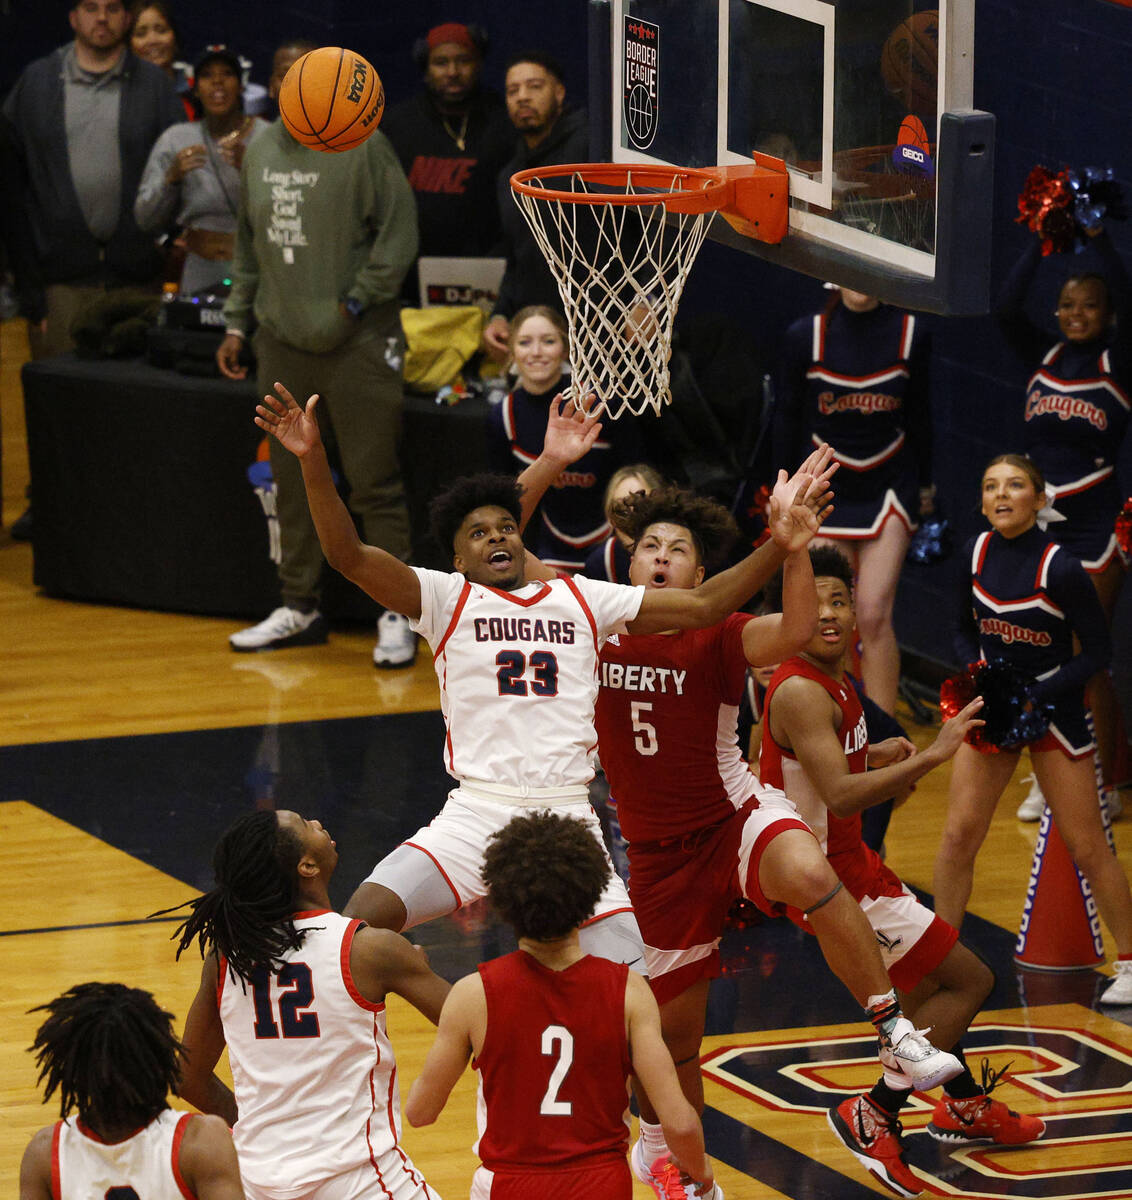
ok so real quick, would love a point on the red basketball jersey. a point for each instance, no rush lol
(554, 1066)
(840, 836)
(666, 719)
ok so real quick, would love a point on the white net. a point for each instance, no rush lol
(620, 270)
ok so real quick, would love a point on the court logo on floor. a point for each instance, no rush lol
(1078, 1082)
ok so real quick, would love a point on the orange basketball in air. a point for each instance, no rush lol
(331, 99)
(909, 62)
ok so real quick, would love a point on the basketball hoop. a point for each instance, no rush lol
(620, 240)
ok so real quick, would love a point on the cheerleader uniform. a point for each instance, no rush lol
(859, 382)
(608, 560)
(1022, 600)
(571, 520)
(1076, 413)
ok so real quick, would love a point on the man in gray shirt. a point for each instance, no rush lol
(85, 118)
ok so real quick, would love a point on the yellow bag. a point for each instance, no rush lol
(438, 342)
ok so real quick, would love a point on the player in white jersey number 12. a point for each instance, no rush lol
(516, 654)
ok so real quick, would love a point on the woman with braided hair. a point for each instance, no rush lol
(110, 1053)
(297, 993)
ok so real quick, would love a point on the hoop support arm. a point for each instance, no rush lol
(757, 203)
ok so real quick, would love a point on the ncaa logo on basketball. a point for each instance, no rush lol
(640, 72)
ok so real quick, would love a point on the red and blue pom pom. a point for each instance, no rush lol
(1065, 206)
(1012, 716)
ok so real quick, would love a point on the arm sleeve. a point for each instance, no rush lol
(395, 217)
(157, 199)
(245, 268)
(1072, 589)
(1026, 339)
(966, 641)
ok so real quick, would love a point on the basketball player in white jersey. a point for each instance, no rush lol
(111, 1054)
(297, 992)
(515, 649)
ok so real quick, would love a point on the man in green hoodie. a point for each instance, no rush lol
(323, 243)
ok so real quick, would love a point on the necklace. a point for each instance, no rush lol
(459, 138)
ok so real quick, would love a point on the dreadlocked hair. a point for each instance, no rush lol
(247, 917)
(825, 560)
(110, 1052)
(447, 511)
(545, 874)
(712, 527)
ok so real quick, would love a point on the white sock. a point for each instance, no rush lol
(652, 1138)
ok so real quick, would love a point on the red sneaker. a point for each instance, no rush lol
(872, 1136)
(981, 1119)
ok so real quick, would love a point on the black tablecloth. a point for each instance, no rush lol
(139, 482)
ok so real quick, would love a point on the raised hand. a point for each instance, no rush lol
(296, 428)
(571, 434)
(801, 502)
(954, 731)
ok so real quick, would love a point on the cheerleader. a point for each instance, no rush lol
(856, 376)
(1024, 600)
(609, 560)
(571, 521)
(1075, 421)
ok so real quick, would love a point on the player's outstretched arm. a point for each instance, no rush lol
(570, 434)
(35, 1167)
(798, 506)
(386, 578)
(203, 1042)
(208, 1161)
(464, 1011)
(803, 719)
(382, 961)
(770, 639)
(652, 1064)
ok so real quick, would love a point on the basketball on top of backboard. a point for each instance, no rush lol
(868, 103)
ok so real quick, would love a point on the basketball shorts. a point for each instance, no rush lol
(912, 940)
(388, 1176)
(682, 889)
(450, 849)
(606, 1181)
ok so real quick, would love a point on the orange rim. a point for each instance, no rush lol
(703, 190)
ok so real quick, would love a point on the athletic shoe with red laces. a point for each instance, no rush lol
(664, 1177)
(872, 1136)
(981, 1119)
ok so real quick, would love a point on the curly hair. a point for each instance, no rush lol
(545, 874)
(447, 511)
(247, 917)
(712, 527)
(111, 1053)
(825, 560)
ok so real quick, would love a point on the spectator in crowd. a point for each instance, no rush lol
(856, 376)
(610, 559)
(323, 242)
(550, 132)
(452, 138)
(192, 178)
(110, 1053)
(86, 116)
(571, 520)
(285, 56)
(154, 37)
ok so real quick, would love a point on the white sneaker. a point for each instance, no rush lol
(1119, 991)
(908, 1055)
(396, 642)
(664, 1177)
(285, 627)
(1033, 806)
(1114, 802)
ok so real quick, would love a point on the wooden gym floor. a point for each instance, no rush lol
(130, 739)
